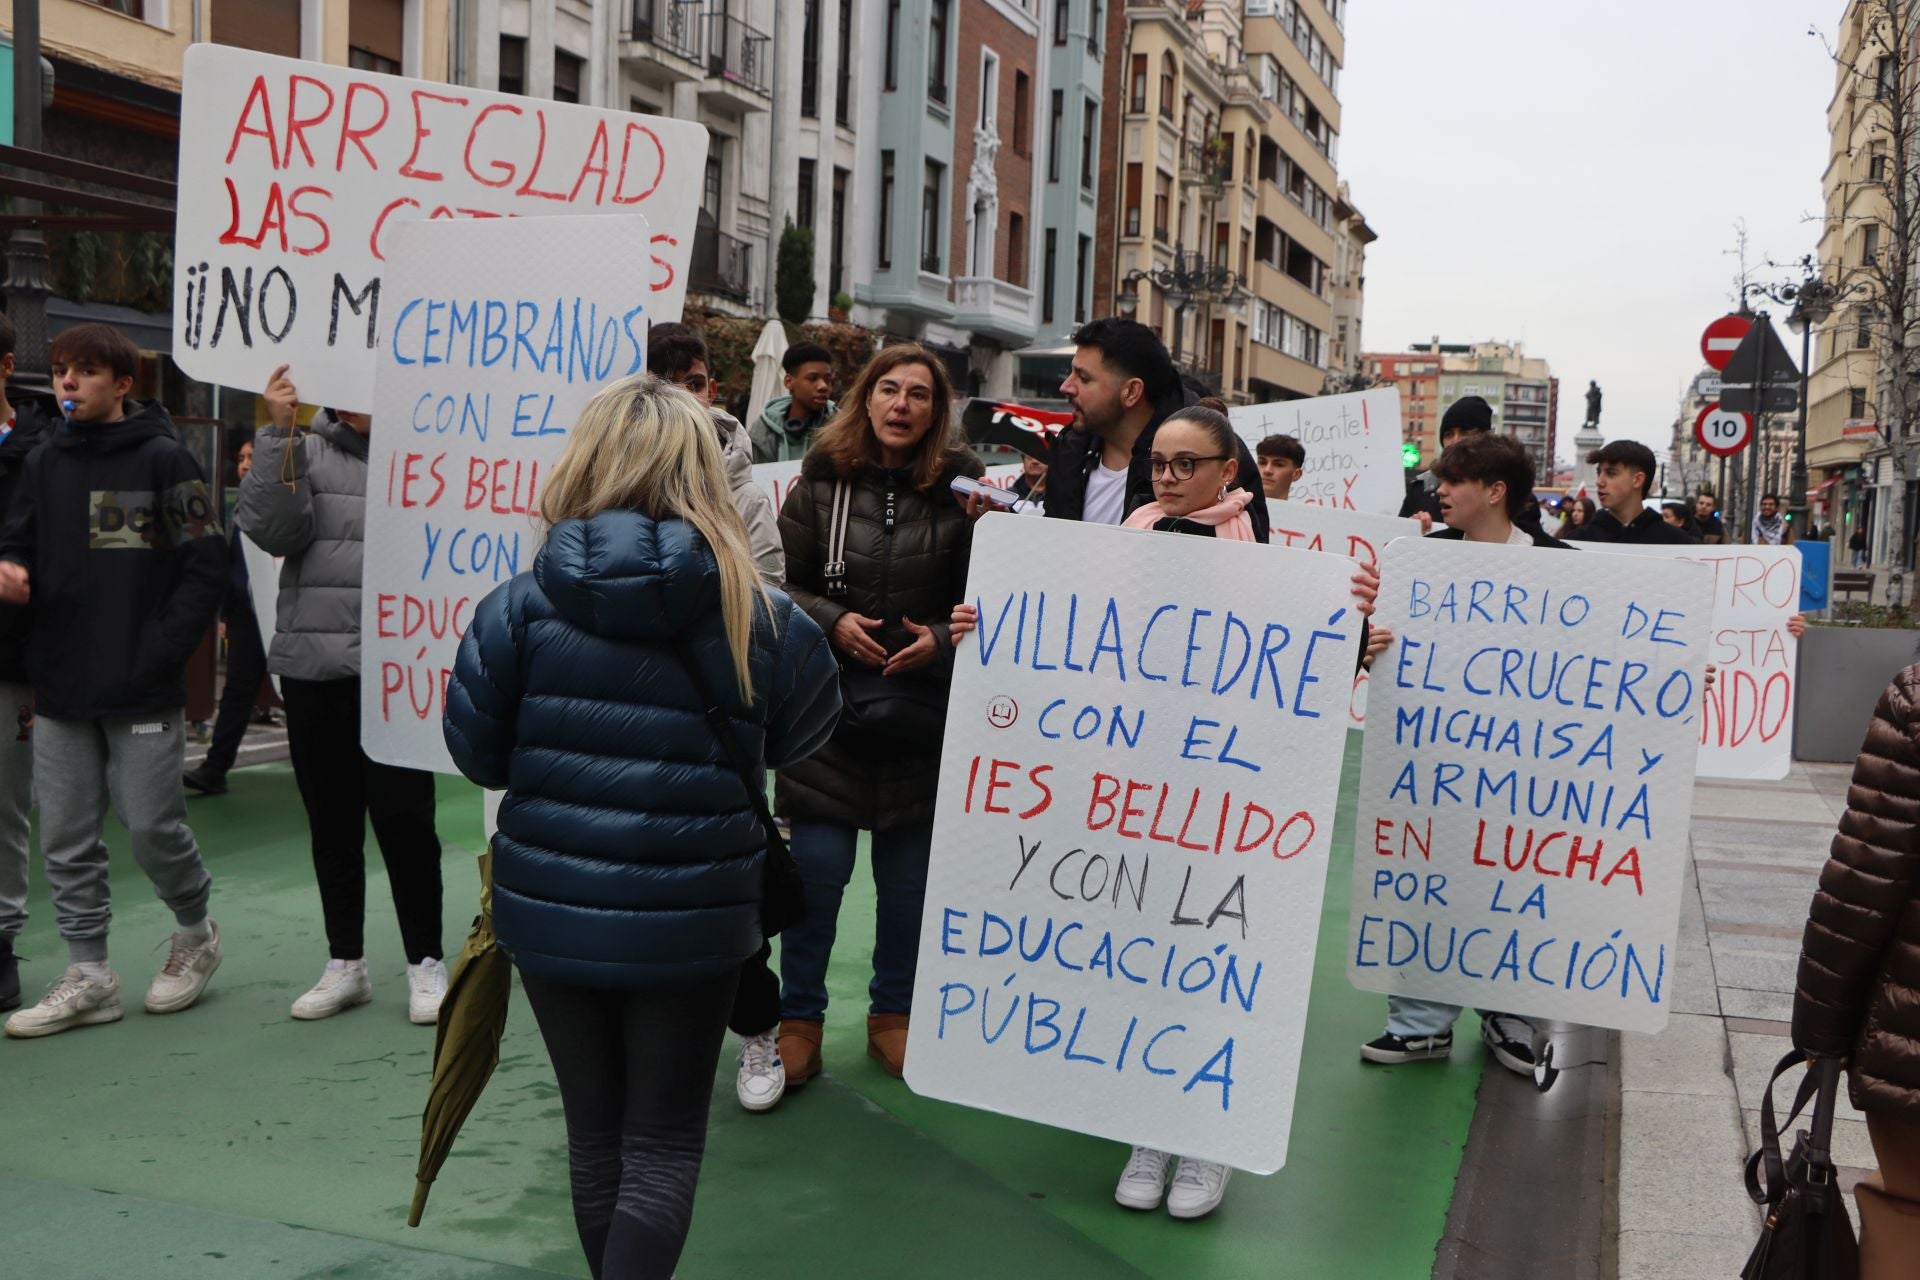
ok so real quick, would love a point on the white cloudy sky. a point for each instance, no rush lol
(1570, 175)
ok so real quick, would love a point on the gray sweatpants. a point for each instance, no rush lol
(16, 805)
(82, 766)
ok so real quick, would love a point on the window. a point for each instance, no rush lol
(1061, 8)
(1082, 261)
(1862, 329)
(1055, 112)
(989, 89)
(513, 64)
(1137, 94)
(1016, 250)
(930, 187)
(1093, 28)
(132, 8)
(376, 30)
(810, 62)
(1162, 205)
(837, 263)
(1869, 244)
(1133, 201)
(710, 187)
(893, 45)
(1877, 165)
(842, 85)
(937, 49)
(1883, 79)
(367, 60)
(1169, 82)
(566, 76)
(1857, 403)
(1022, 114)
(883, 259)
(803, 195)
(1089, 123)
(1049, 267)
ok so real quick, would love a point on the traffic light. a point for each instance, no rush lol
(1409, 454)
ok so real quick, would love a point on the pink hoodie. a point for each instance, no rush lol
(1228, 517)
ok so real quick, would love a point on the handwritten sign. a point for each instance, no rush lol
(1746, 725)
(466, 427)
(778, 478)
(263, 592)
(1137, 796)
(1352, 443)
(1527, 781)
(294, 176)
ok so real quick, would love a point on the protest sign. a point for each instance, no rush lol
(1357, 535)
(465, 430)
(1527, 780)
(263, 592)
(294, 175)
(1352, 444)
(1746, 721)
(1137, 795)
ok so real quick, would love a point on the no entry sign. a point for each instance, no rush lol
(1722, 431)
(1722, 339)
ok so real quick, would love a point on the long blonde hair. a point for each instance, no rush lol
(645, 445)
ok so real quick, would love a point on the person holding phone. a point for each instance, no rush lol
(876, 549)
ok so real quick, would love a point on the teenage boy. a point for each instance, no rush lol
(788, 422)
(1468, 413)
(1280, 459)
(1625, 470)
(1712, 530)
(21, 428)
(1677, 514)
(113, 535)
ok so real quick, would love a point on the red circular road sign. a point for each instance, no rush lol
(1722, 431)
(1722, 337)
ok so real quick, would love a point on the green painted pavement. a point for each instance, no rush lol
(214, 1127)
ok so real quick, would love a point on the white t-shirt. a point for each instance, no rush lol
(1106, 496)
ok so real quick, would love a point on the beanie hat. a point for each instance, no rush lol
(1468, 413)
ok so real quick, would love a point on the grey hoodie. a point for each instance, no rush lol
(755, 507)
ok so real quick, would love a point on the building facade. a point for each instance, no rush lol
(1346, 356)
(1416, 374)
(1520, 389)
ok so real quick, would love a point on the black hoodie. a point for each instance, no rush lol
(1649, 528)
(126, 566)
(30, 427)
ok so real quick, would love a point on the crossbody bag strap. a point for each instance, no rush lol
(750, 773)
(836, 570)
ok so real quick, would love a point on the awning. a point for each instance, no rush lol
(1824, 485)
(149, 330)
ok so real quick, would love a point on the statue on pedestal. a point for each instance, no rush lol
(1593, 404)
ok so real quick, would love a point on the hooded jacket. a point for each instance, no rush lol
(30, 426)
(628, 852)
(1649, 529)
(306, 500)
(126, 564)
(750, 499)
(773, 442)
(1858, 991)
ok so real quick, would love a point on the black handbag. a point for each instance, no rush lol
(1807, 1235)
(783, 901)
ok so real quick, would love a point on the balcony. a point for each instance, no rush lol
(738, 63)
(666, 35)
(995, 310)
(720, 265)
(1206, 160)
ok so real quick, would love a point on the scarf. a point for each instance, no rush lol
(1769, 532)
(1227, 518)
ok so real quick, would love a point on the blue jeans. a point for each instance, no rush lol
(1412, 1019)
(825, 853)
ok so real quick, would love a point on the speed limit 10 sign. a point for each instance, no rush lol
(1722, 431)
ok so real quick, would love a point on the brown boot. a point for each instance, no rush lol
(887, 1041)
(799, 1050)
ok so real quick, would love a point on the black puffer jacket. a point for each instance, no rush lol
(912, 568)
(29, 429)
(1858, 993)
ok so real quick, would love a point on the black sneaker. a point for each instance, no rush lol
(205, 781)
(1510, 1039)
(9, 978)
(1393, 1050)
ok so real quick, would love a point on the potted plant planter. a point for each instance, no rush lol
(1842, 672)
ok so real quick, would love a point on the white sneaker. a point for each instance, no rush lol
(762, 1081)
(342, 986)
(1198, 1186)
(184, 976)
(427, 987)
(1144, 1181)
(74, 1001)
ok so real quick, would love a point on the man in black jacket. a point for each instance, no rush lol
(113, 535)
(1468, 413)
(1122, 386)
(1625, 471)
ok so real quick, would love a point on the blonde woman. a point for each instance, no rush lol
(629, 860)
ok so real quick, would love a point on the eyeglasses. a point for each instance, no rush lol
(1181, 467)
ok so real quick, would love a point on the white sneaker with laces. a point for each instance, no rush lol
(762, 1081)
(74, 1001)
(184, 976)
(342, 986)
(1144, 1181)
(1198, 1187)
(427, 987)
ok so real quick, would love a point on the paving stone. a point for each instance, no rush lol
(1689, 1057)
(1851, 1146)
(1680, 1163)
(1670, 1255)
(1776, 1006)
(1736, 963)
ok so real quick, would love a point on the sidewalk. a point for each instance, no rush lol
(1690, 1096)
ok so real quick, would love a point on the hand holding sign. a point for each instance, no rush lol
(283, 399)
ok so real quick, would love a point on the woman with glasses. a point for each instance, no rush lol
(1192, 467)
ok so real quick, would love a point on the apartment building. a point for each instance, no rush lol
(1416, 374)
(1521, 389)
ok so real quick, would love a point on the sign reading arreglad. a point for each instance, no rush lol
(1137, 797)
(294, 176)
(466, 427)
(1527, 780)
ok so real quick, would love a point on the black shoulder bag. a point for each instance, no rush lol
(1807, 1235)
(782, 895)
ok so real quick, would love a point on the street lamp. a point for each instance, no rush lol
(1190, 279)
(1813, 301)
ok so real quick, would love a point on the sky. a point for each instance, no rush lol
(1571, 176)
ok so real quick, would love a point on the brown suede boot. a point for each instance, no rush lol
(799, 1050)
(887, 1041)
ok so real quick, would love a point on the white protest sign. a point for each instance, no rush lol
(1352, 443)
(465, 429)
(778, 478)
(263, 592)
(1357, 535)
(1746, 725)
(1137, 796)
(1527, 781)
(294, 176)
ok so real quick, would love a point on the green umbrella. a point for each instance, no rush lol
(466, 1044)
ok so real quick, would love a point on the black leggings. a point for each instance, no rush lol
(635, 1070)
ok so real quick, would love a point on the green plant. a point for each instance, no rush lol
(843, 301)
(1856, 613)
(793, 282)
